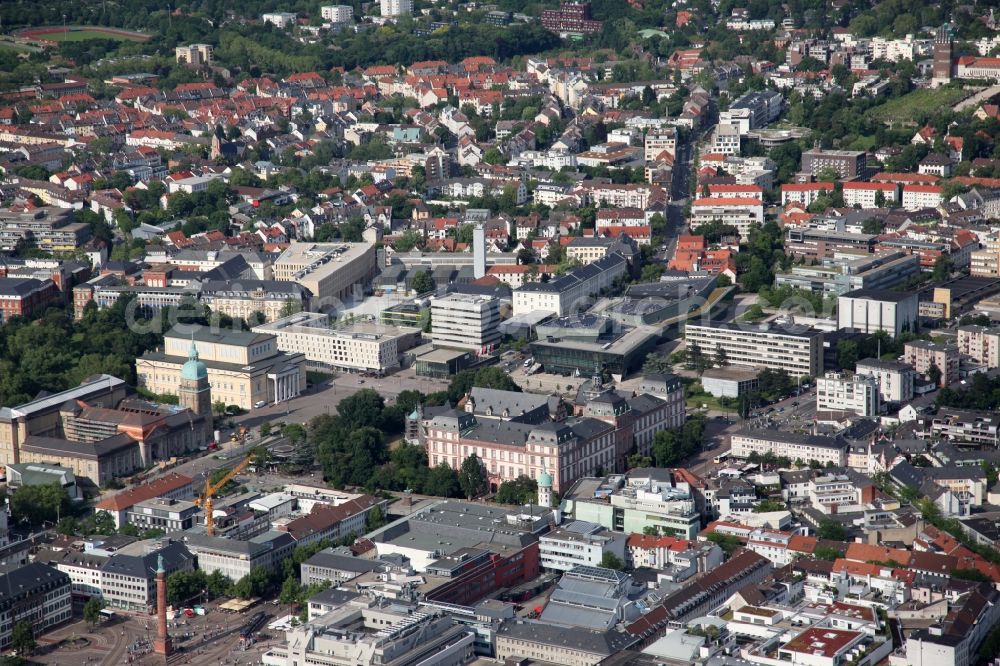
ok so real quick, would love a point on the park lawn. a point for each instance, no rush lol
(83, 35)
(918, 102)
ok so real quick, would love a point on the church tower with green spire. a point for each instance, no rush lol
(195, 392)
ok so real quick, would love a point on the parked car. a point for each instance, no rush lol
(259, 404)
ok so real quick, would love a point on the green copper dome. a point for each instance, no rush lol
(544, 480)
(194, 369)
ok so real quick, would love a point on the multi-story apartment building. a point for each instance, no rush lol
(866, 195)
(742, 213)
(895, 380)
(986, 261)
(804, 193)
(35, 593)
(48, 228)
(660, 140)
(572, 18)
(871, 310)
(981, 343)
(799, 353)
(964, 426)
(280, 20)
(916, 197)
(791, 445)
(726, 139)
(337, 13)
(466, 321)
(836, 392)
(846, 163)
(579, 544)
(355, 347)
(921, 355)
(244, 368)
(753, 110)
(394, 8)
(195, 55)
(622, 196)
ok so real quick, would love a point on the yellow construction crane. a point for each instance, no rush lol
(205, 501)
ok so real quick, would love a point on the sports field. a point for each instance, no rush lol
(80, 34)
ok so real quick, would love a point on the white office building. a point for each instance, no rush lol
(280, 20)
(337, 13)
(396, 7)
(871, 310)
(579, 544)
(799, 353)
(791, 445)
(465, 321)
(895, 380)
(836, 392)
(356, 347)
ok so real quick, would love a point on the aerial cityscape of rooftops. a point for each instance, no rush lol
(442, 332)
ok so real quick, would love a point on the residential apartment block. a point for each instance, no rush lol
(895, 380)
(846, 163)
(923, 354)
(791, 445)
(836, 392)
(981, 343)
(742, 213)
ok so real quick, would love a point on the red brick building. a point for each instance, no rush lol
(23, 297)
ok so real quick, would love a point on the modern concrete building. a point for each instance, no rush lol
(244, 368)
(368, 632)
(836, 392)
(355, 347)
(128, 577)
(846, 163)
(169, 515)
(632, 505)
(895, 380)
(871, 310)
(577, 544)
(799, 353)
(332, 272)
(729, 382)
(466, 321)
